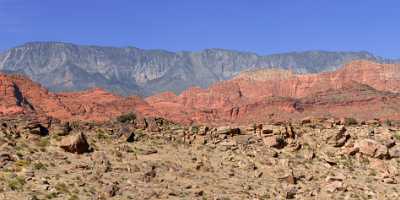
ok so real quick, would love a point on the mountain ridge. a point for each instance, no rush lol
(129, 70)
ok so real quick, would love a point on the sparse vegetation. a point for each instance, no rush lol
(51, 195)
(397, 135)
(16, 183)
(115, 165)
(350, 121)
(43, 142)
(39, 166)
(62, 188)
(101, 135)
(129, 117)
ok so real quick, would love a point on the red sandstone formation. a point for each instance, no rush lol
(19, 95)
(354, 90)
(361, 89)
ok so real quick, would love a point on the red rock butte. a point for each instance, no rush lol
(360, 89)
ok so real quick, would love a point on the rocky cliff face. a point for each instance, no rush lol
(19, 95)
(127, 71)
(361, 89)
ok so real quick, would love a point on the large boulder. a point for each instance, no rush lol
(76, 143)
(37, 128)
(227, 131)
(372, 148)
(275, 141)
(335, 137)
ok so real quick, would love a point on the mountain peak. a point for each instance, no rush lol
(68, 67)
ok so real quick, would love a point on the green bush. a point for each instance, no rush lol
(126, 117)
(16, 183)
(397, 135)
(39, 166)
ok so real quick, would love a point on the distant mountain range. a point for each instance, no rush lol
(69, 67)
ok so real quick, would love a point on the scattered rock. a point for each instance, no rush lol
(101, 162)
(335, 186)
(112, 189)
(389, 180)
(127, 135)
(5, 158)
(291, 193)
(337, 138)
(337, 177)
(290, 178)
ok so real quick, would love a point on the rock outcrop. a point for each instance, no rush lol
(360, 89)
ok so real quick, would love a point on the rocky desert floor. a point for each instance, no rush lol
(154, 159)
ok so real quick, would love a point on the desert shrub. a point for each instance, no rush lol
(22, 163)
(62, 188)
(388, 122)
(39, 166)
(350, 121)
(194, 129)
(43, 142)
(51, 195)
(126, 117)
(397, 135)
(16, 183)
(101, 135)
(73, 197)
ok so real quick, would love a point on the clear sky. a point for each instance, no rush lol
(261, 26)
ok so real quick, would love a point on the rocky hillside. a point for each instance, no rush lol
(68, 67)
(308, 159)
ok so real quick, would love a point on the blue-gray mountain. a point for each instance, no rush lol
(68, 67)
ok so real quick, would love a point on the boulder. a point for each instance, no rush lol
(227, 131)
(269, 129)
(275, 141)
(76, 143)
(337, 138)
(152, 125)
(140, 122)
(5, 158)
(335, 186)
(36, 128)
(394, 152)
(126, 135)
(372, 148)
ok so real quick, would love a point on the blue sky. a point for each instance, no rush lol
(261, 26)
